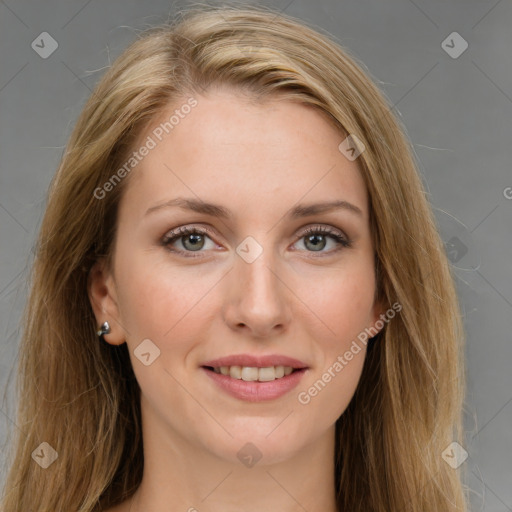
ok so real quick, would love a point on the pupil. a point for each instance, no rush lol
(316, 240)
(194, 238)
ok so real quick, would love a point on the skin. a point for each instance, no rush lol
(258, 160)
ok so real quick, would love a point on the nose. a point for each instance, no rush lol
(257, 298)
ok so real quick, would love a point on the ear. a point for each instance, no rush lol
(102, 295)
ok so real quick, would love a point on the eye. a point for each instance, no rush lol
(316, 238)
(191, 238)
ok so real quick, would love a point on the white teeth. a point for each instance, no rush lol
(251, 373)
(267, 374)
(235, 372)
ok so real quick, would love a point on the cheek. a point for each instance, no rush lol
(160, 301)
(342, 300)
(329, 393)
(345, 307)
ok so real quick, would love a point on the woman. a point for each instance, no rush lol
(240, 300)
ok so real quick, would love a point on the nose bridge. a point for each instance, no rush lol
(258, 297)
(253, 268)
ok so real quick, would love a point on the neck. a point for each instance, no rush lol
(180, 475)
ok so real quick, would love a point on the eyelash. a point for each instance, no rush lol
(180, 232)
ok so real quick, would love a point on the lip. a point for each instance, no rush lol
(256, 361)
(255, 391)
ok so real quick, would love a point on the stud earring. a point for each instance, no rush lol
(104, 329)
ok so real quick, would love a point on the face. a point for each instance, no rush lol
(270, 283)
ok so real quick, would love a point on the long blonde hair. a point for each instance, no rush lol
(80, 395)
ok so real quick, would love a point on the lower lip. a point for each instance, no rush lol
(255, 391)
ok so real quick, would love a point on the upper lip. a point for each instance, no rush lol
(255, 361)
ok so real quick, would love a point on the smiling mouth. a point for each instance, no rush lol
(254, 374)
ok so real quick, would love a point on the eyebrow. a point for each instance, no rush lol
(214, 210)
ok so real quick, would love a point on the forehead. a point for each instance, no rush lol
(251, 156)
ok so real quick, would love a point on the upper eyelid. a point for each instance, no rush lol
(176, 233)
(209, 230)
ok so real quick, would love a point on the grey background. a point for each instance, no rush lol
(458, 113)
